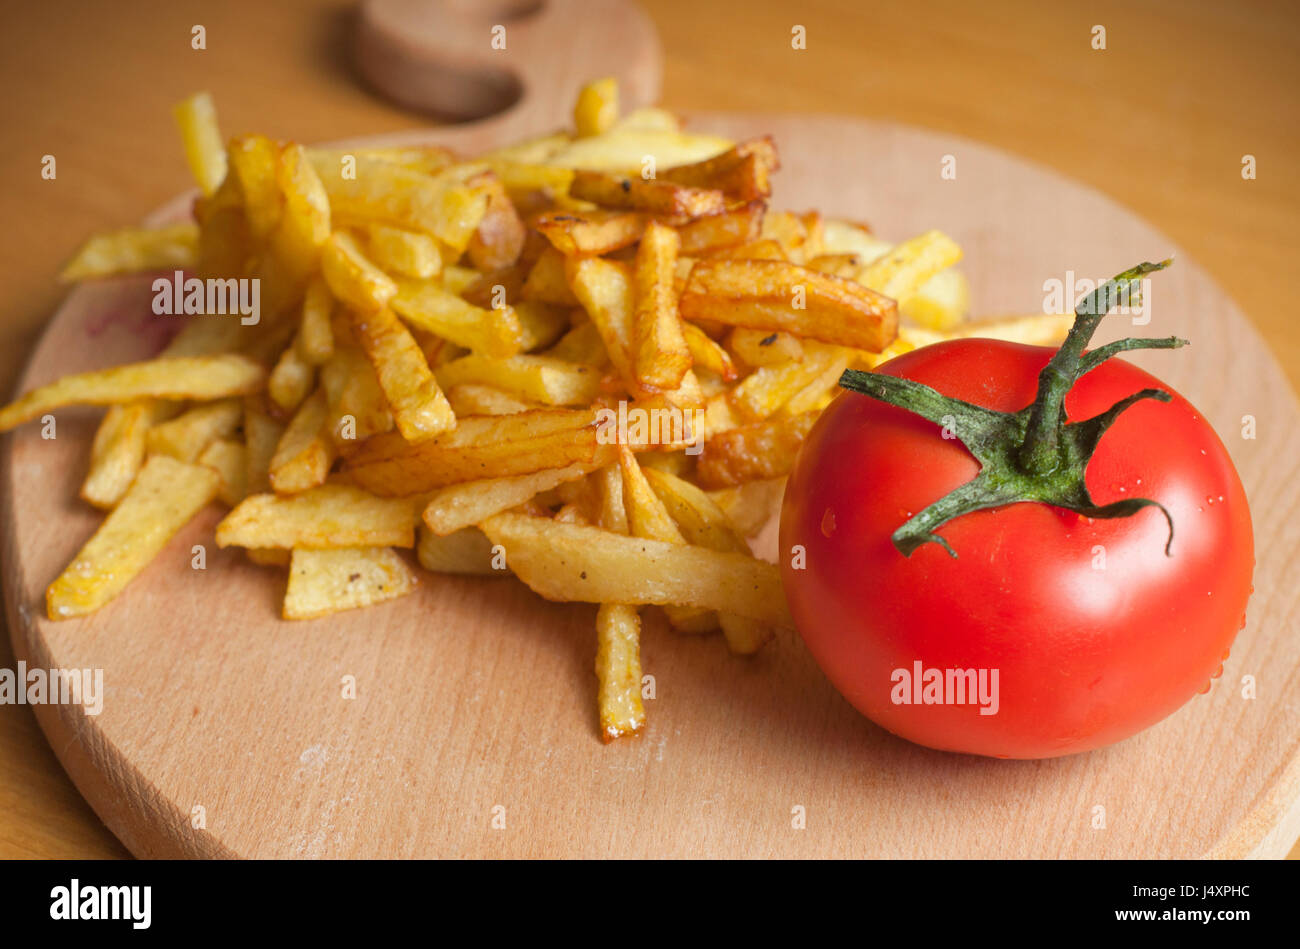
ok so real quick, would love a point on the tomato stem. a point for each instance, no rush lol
(1033, 454)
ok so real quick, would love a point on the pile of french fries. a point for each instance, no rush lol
(438, 342)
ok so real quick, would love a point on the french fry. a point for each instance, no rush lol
(185, 436)
(494, 333)
(198, 378)
(902, 271)
(753, 452)
(647, 517)
(304, 222)
(205, 150)
(704, 524)
(707, 354)
(618, 670)
(322, 582)
(480, 447)
(378, 191)
(305, 451)
(165, 495)
(762, 348)
(499, 238)
(547, 283)
(846, 237)
(357, 408)
(253, 160)
(741, 172)
(291, 379)
(605, 289)
(590, 233)
(352, 278)
(768, 388)
(652, 196)
(332, 515)
(262, 435)
(315, 340)
(132, 250)
(119, 450)
(596, 109)
(466, 551)
(623, 149)
(612, 514)
(941, 303)
(593, 565)
(660, 355)
(463, 505)
(406, 253)
(777, 296)
(718, 231)
(229, 459)
(542, 379)
(750, 506)
(419, 407)
(540, 324)
(582, 344)
(474, 399)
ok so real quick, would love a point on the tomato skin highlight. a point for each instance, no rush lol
(1094, 632)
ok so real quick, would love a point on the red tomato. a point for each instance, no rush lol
(1095, 634)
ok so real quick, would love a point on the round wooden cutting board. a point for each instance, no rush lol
(473, 730)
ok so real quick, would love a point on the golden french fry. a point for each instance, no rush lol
(291, 379)
(119, 449)
(261, 437)
(500, 235)
(593, 565)
(612, 515)
(495, 333)
(474, 399)
(332, 515)
(479, 447)
(846, 237)
(590, 233)
(464, 505)
(618, 669)
(652, 196)
(624, 149)
(596, 110)
(661, 357)
(185, 436)
(372, 190)
(134, 249)
(708, 354)
(305, 451)
(162, 499)
(199, 378)
(403, 252)
(315, 340)
(547, 282)
(753, 452)
(769, 388)
(775, 295)
(229, 459)
(466, 551)
(905, 269)
(751, 505)
(419, 408)
(729, 229)
(253, 160)
(357, 405)
(541, 379)
(605, 289)
(352, 278)
(762, 348)
(582, 344)
(941, 303)
(322, 582)
(304, 223)
(205, 149)
(741, 172)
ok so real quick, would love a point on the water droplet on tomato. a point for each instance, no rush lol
(1205, 689)
(1209, 499)
(828, 523)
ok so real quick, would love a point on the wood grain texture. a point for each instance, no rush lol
(473, 694)
(1185, 89)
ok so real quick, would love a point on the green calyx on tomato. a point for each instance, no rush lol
(1033, 454)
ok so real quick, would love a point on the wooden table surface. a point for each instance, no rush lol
(1160, 120)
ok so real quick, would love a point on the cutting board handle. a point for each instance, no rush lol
(513, 66)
